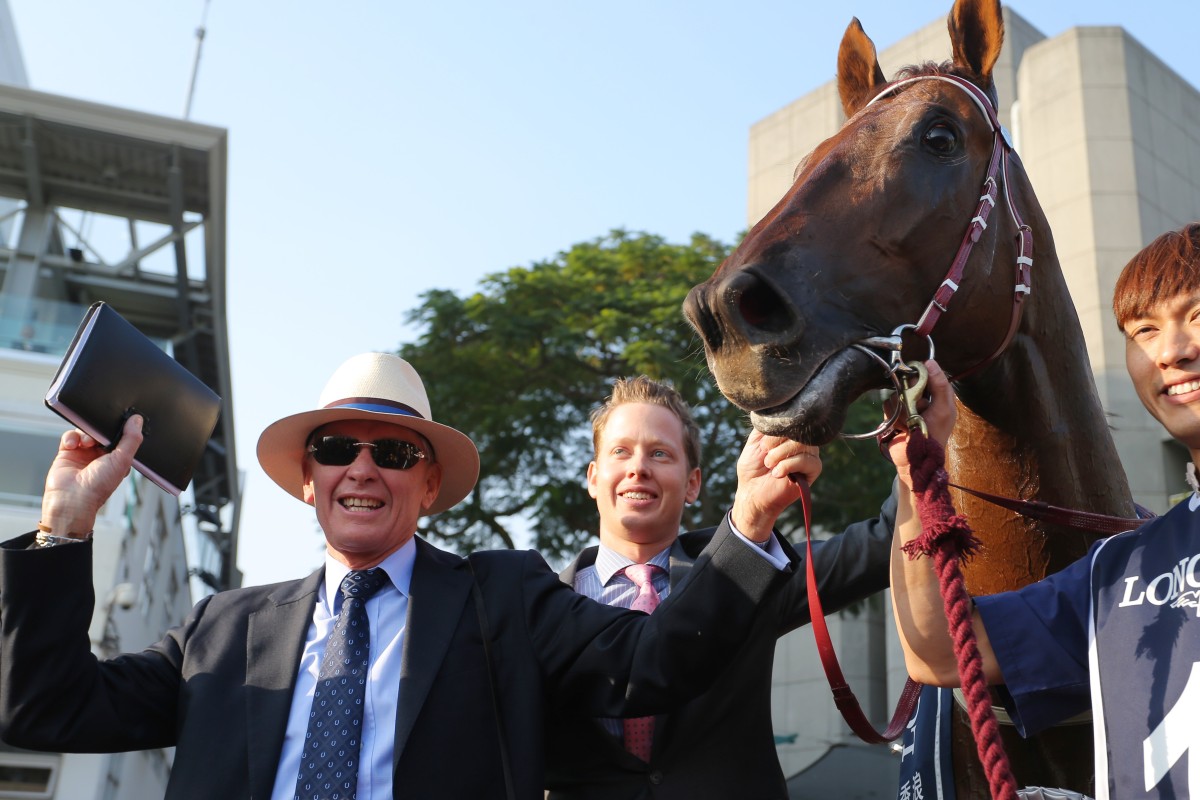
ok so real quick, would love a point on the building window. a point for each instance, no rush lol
(27, 775)
(27, 458)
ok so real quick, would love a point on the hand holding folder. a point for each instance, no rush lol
(112, 371)
(82, 478)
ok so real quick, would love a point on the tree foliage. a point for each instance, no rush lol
(520, 364)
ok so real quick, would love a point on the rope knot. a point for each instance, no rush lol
(941, 527)
(951, 533)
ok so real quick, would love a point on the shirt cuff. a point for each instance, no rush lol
(43, 540)
(771, 550)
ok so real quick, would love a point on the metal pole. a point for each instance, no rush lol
(187, 108)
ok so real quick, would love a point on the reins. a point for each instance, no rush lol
(843, 695)
(1083, 521)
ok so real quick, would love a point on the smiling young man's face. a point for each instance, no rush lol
(365, 511)
(641, 479)
(1162, 354)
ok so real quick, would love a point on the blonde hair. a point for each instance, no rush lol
(647, 390)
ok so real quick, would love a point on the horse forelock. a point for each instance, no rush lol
(930, 69)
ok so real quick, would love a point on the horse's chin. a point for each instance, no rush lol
(816, 414)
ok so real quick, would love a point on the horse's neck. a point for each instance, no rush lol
(1032, 427)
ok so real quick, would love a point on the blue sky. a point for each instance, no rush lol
(378, 149)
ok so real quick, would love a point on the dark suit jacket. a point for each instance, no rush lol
(219, 687)
(721, 744)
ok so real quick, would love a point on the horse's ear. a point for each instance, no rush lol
(858, 74)
(976, 34)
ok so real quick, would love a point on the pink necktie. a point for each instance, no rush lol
(639, 731)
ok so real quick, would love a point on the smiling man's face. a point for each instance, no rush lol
(1162, 354)
(366, 512)
(641, 479)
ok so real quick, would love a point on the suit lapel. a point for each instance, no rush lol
(441, 585)
(274, 641)
(584, 560)
(681, 564)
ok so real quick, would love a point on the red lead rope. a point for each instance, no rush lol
(843, 695)
(947, 537)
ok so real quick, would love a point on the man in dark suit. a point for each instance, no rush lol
(720, 744)
(443, 697)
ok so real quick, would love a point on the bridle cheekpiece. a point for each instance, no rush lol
(997, 167)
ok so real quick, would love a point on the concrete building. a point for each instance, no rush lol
(100, 203)
(1108, 135)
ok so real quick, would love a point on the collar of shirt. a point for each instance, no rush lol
(609, 562)
(398, 566)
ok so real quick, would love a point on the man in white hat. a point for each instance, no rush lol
(396, 670)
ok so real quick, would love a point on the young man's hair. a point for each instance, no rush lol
(1168, 266)
(646, 390)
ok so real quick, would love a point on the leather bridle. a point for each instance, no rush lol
(898, 371)
(997, 173)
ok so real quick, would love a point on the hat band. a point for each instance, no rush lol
(377, 405)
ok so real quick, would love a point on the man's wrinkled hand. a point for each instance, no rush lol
(83, 476)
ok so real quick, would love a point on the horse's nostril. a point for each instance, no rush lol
(756, 307)
(744, 306)
(759, 306)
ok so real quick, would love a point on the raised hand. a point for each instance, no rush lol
(765, 489)
(82, 478)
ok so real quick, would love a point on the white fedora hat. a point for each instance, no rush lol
(378, 387)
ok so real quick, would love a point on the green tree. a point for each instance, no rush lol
(520, 364)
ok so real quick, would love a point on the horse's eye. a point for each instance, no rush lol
(941, 139)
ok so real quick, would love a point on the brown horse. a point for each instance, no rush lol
(857, 247)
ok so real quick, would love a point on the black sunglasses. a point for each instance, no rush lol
(340, 451)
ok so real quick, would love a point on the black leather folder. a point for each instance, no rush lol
(110, 371)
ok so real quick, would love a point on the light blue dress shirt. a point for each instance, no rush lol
(387, 612)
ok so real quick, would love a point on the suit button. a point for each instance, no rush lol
(656, 777)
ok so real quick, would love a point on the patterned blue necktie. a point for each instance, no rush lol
(329, 763)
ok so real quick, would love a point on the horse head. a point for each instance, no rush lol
(912, 215)
(864, 238)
